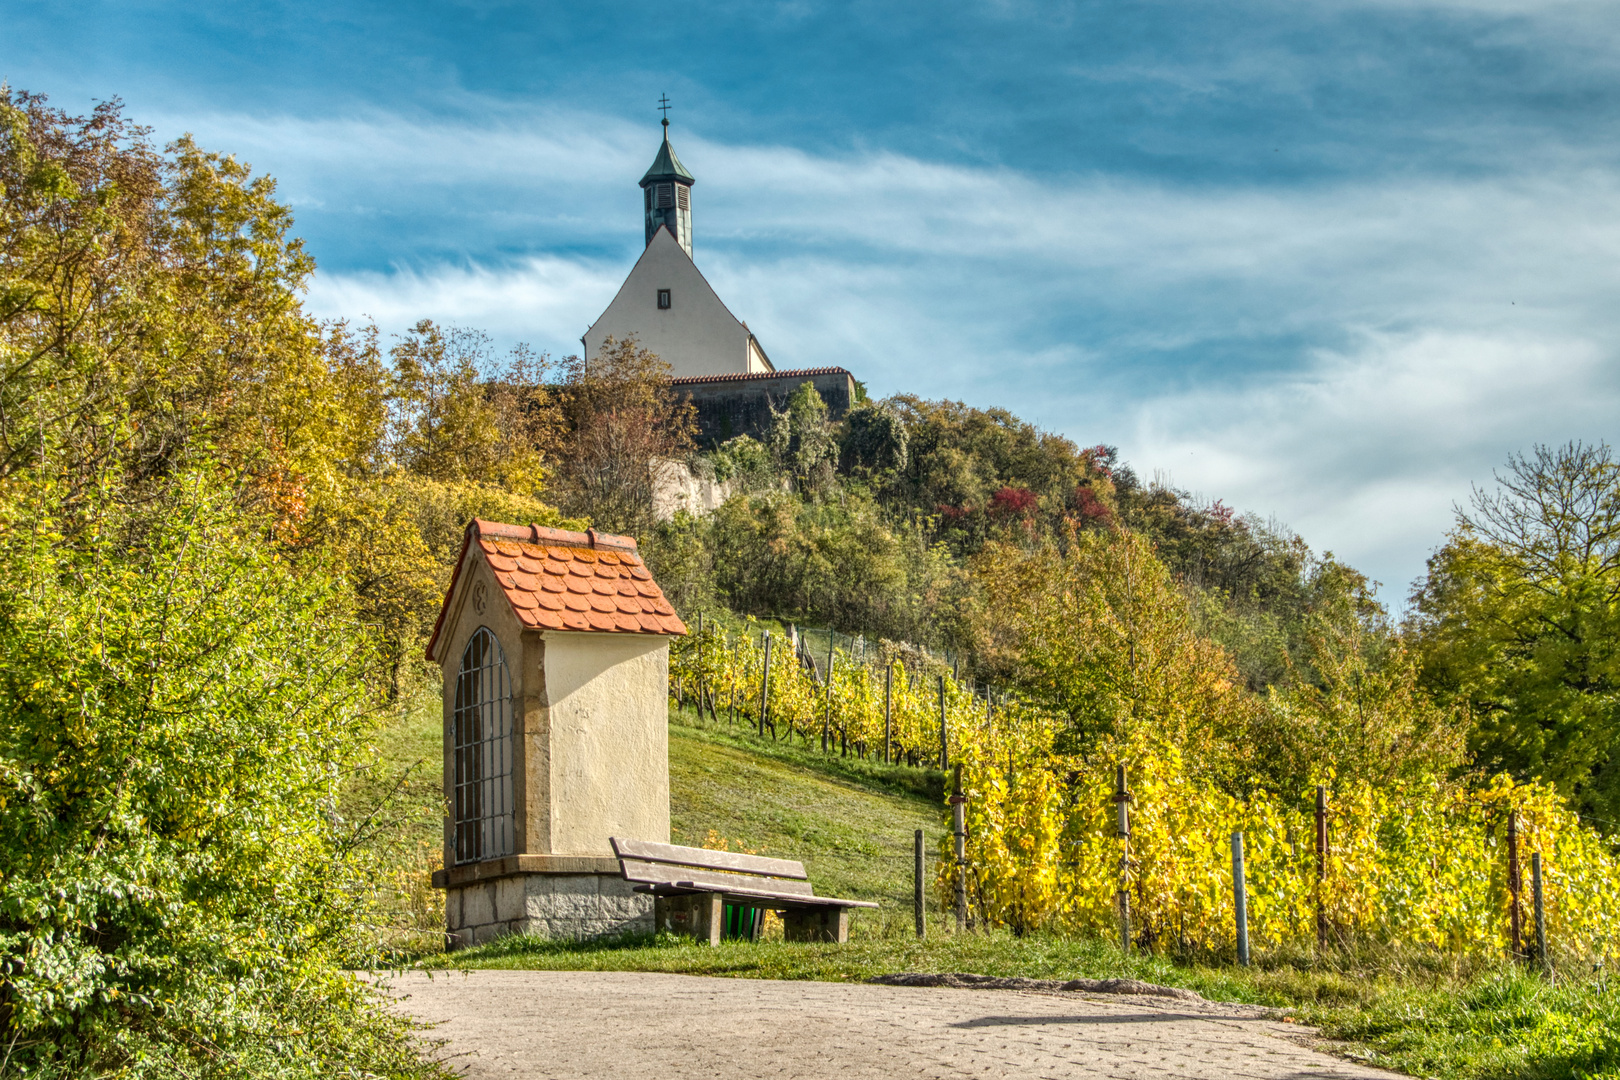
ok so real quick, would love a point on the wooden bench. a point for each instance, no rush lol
(715, 894)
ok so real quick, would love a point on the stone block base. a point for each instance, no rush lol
(574, 906)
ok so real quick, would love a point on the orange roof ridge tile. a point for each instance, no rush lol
(541, 534)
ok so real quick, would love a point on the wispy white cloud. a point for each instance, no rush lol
(1367, 450)
(538, 301)
(1345, 356)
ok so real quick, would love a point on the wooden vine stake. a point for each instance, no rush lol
(1240, 900)
(1515, 887)
(732, 676)
(1541, 912)
(826, 716)
(765, 686)
(959, 832)
(917, 885)
(1122, 800)
(1321, 866)
(888, 724)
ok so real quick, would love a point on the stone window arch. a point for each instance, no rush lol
(482, 733)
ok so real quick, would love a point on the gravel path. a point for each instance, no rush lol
(623, 1025)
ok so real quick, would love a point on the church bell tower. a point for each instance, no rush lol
(667, 194)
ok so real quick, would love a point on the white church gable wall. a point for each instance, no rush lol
(695, 334)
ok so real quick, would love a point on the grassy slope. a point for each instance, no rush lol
(851, 823)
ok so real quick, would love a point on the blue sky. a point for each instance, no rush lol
(1330, 262)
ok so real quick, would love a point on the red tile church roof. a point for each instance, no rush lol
(741, 376)
(559, 580)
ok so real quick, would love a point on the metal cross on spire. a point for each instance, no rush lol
(663, 103)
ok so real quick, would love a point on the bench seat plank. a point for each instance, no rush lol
(787, 899)
(694, 887)
(702, 858)
(697, 878)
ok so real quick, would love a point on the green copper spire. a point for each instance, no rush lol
(666, 166)
(667, 193)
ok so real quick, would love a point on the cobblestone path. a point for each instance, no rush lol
(623, 1025)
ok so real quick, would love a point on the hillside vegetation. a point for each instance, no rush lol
(226, 526)
(851, 822)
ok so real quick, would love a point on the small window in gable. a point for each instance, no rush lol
(663, 299)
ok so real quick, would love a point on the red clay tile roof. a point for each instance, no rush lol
(557, 580)
(743, 376)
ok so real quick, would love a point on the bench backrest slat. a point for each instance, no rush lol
(652, 852)
(649, 873)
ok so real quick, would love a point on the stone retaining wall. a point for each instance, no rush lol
(732, 405)
(569, 906)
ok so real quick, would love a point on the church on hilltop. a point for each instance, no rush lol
(670, 308)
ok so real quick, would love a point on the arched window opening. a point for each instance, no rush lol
(483, 752)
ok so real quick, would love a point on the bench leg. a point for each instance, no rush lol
(816, 924)
(699, 915)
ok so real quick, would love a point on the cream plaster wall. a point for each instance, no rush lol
(757, 361)
(696, 335)
(608, 711)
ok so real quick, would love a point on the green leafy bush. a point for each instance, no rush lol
(178, 893)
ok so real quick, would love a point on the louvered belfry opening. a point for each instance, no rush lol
(483, 752)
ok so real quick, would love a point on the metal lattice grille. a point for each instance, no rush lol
(483, 749)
